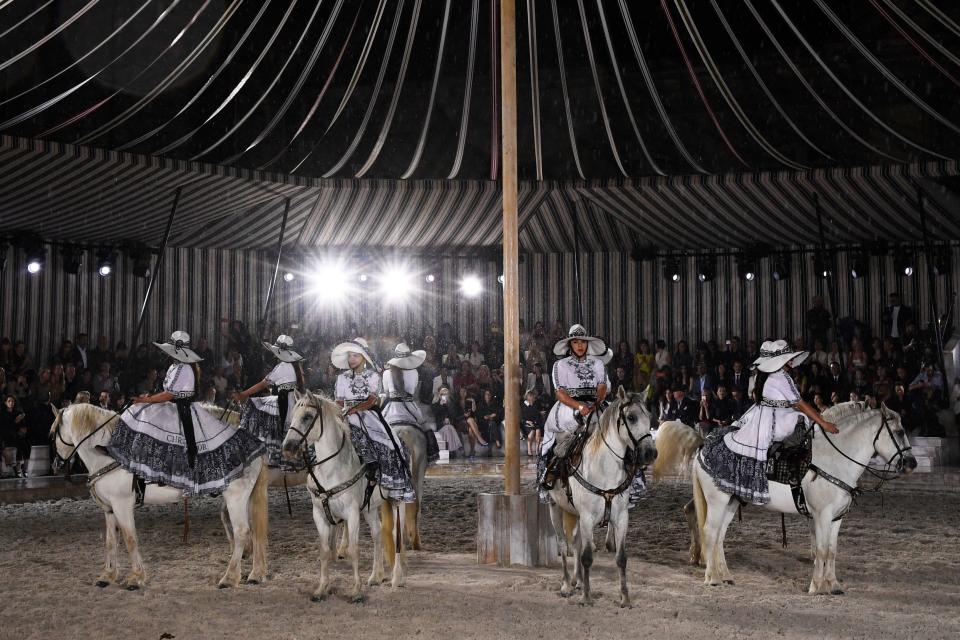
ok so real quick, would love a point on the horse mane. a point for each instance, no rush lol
(844, 410)
(87, 417)
(330, 407)
(609, 418)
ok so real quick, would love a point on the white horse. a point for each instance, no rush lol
(111, 486)
(840, 461)
(598, 490)
(337, 484)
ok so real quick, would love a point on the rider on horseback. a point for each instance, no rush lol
(736, 456)
(400, 386)
(268, 417)
(581, 388)
(357, 392)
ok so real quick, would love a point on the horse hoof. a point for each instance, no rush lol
(625, 604)
(133, 587)
(253, 581)
(102, 583)
(730, 582)
(223, 585)
(836, 592)
(316, 598)
(357, 598)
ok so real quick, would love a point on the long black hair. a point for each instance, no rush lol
(758, 386)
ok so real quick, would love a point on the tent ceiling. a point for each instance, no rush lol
(406, 89)
(74, 193)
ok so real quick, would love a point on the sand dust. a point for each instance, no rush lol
(900, 567)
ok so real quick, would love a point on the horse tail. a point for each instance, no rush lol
(700, 502)
(676, 445)
(258, 517)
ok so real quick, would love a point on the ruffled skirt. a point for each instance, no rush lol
(149, 442)
(373, 444)
(742, 476)
(263, 423)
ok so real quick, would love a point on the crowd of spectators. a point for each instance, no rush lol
(703, 384)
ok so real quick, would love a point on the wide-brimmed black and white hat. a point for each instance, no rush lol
(404, 358)
(774, 354)
(607, 356)
(358, 345)
(595, 346)
(282, 348)
(178, 348)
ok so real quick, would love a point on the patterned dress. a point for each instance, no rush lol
(149, 441)
(370, 437)
(261, 415)
(736, 456)
(402, 407)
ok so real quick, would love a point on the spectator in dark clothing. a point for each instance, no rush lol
(623, 357)
(531, 422)
(620, 378)
(723, 409)
(818, 321)
(738, 378)
(701, 382)
(101, 353)
(732, 352)
(836, 382)
(14, 433)
(682, 408)
(741, 403)
(896, 317)
(490, 418)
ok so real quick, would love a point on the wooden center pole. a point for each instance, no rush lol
(511, 249)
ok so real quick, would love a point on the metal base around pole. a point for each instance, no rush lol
(515, 530)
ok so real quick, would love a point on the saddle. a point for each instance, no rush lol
(789, 460)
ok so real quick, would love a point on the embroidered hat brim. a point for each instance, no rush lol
(282, 354)
(181, 353)
(412, 361)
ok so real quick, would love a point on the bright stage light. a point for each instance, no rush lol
(395, 284)
(471, 286)
(430, 277)
(33, 267)
(288, 277)
(330, 282)
(500, 278)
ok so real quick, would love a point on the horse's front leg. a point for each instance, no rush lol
(821, 543)
(110, 565)
(372, 515)
(557, 518)
(344, 537)
(353, 552)
(584, 546)
(326, 532)
(238, 508)
(621, 519)
(830, 571)
(124, 518)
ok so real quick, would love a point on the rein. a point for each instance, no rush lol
(76, 447)
(324, 494)
(882, 475)
(609, 494)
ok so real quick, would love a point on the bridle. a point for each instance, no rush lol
(57, 435)
(307, 453)
(609, 494)
(881, 474)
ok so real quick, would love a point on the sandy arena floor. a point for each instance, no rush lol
(900, 567)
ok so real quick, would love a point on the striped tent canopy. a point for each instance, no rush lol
(74, 193)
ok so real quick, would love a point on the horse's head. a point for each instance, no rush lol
(80, 423)
(633, 420)
(312, 416)
(891, 442)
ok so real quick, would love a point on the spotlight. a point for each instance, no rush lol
(288, 276)
(430, 278)
(330, 281)
(395, 284)
(781, 266)
(671, 269)
(106, 259)
(859, 265)
(36, 255)
(904, 261)
(500, 278)
(364, 277)
(746, 267)
(706, 268)
(72, 256)
(821, 265)
(471, 286)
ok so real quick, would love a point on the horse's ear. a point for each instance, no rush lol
(621, 393)
(297, 396)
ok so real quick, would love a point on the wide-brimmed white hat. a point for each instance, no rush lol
(178, 348)
(282, 348)
(775, 354)
(595, 346)
(606, 357)
(404, 358)
(358, 345)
